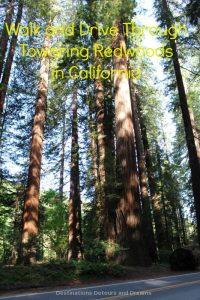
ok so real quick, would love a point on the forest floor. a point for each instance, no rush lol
(12, 287)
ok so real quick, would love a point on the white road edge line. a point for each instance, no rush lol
(97, 286)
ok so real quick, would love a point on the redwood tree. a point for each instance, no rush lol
(192, 142)
(147, 221)
(31, 202)
(9, 61)
(4, 36)
(128, 207)
(100, 121)
(75, 235)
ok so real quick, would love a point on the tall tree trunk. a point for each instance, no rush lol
(16, 228)
(194, 159)
(105, 145)
(99, 100)
(157, 212)
(182, 224)
(9, 61)
(62, 158)
(93, 147)
(174, 203)
(147, 222)
(30, 213)
(4, 36)
(195, 132)
(75, 234)
(110, 168)
(168, 231)
(128, 208)
(93, 153)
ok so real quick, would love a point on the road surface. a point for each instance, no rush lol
(178, 287)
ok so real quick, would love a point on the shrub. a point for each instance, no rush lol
(164, 255)
(182, 260)
(54, 273)
(102, 250)
(196, 253)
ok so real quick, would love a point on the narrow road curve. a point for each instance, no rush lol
(178, 287)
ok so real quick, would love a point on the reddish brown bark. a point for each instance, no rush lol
(31, 203)
(110, 166)
(93, 140)
(4, 36)
(100, 120)
(93, 154)
(147, 222)
(75, 235)
(62, 158)
(9, 61)
(156, 205)
(128, 208)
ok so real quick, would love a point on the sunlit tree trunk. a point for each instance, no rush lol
(195, 132)
(30, 213)
(128, 208)
(75, 234)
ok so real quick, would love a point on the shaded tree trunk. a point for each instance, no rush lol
(194, 159)
(147, 222)
(168, 232)
(110, 166)
(4, 36)
(93, 153)
(128, 207)
(75, 234)
(157, 212)
(105, 145)
(100, 120)
(16, 230)
(182, 224)
(62, 158)
(93, 139)
(31, 202)
(173, 202)
(93, 149)
(9, 61)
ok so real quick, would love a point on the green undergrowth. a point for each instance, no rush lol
(55, 273)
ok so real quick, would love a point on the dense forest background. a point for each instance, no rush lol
(99, 170)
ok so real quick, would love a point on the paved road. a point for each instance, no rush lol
(181, 287)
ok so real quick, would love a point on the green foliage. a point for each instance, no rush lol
(10, 219)
(96, 269)
(164, 255)
(54, 228)
(193, 11)
(54, 273)
(99, 251)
